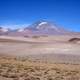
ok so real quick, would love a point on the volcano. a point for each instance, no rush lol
(46, 27)
(41, 27)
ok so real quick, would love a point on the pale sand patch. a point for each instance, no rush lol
(20, 47)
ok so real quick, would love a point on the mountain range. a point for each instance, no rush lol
(41, 27)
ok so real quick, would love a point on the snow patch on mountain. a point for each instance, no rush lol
(42, 23)
(3, 29)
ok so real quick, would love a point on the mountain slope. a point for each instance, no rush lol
(46, 27)
(41, 27)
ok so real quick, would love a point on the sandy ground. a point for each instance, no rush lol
(27, 69)
(44, 58)
(51, 48)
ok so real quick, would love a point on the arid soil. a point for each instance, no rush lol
(26, 69)
(42, 58)
(50, 48)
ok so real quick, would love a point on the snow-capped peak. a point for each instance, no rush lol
(42, 23)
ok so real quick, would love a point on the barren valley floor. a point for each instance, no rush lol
(44, 58)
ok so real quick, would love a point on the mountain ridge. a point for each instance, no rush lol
(41, 27)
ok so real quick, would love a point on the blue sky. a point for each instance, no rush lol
(17, 13)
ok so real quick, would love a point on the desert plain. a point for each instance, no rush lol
(39, 58)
